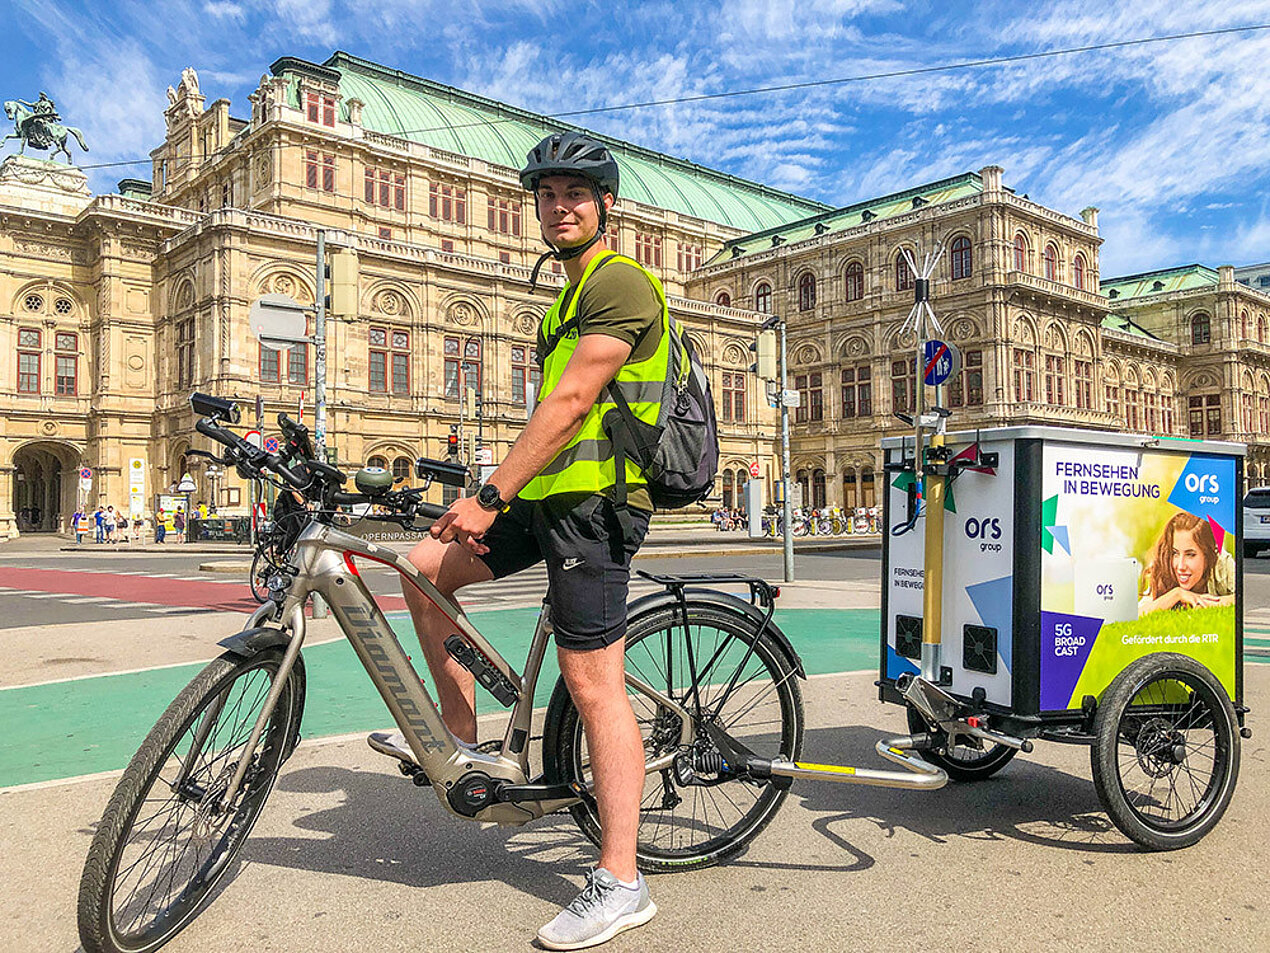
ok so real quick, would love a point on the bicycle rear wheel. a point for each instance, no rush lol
(714, 815)
(164, 843)
(258, 579)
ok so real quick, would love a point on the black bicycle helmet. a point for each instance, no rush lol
(571, 153)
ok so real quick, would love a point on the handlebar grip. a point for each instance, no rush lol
(431, 510)
(340, 498)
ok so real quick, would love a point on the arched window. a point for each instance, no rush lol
(806, 292)
(961, 258)
(763, 298)
(855, 281)
(1051, 262)
(903, 274)
(401, 468)
(723, 299)
(728, 500)
(1261, 329)
(1243, 323)
(1078, 272)
(818, 489)
(378, 461)
(1201, 329)
(1020, 252)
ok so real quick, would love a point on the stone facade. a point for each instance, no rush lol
(114, 308)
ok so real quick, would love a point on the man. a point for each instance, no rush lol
(99, 525)
(551, 500)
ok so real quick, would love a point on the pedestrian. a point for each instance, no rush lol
(110, 524)
(99, 528)
(77, 520)
(160, 526)
(178, 523)
(551, 500)
(124, 525)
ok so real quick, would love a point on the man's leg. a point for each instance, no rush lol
(450, 567)
(596, 680)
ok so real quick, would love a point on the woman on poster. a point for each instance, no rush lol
(1187, 568)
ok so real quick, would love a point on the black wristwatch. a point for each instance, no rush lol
(490, 499)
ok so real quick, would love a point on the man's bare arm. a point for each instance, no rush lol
(594, 363)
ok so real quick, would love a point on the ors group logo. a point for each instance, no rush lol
(986, 531)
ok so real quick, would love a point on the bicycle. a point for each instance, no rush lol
(713, 681)
(275, 540)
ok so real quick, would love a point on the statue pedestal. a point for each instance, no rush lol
(43, 185)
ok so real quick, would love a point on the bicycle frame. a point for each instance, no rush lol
(324, 561)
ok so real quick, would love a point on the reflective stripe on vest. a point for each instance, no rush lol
(585, 464)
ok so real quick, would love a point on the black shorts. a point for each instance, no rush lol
(588, 561)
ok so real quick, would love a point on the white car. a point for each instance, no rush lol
(1256, 521)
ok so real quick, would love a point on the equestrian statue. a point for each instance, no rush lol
(36, 124)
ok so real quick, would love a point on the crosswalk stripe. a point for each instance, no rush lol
(80, 600)
(47, 595)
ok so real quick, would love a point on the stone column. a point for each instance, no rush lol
(8, 518)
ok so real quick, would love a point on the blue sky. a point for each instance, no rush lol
(1169, 140)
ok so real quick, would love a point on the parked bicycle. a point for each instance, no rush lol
(275, 540)
(713, 681)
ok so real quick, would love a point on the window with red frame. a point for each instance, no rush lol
(1078, 272)
(1054, 380)
(723, 299)
(816, 396)
(903, 273)
(298, 365)
(504, 216)
(1024, 375)
(66, 360)
(612, 238)
(966, 389)
(448, 203)
(520, 374)
(763, 298)
(319, 170)
(1051, 263)
(28, 361)
(469, 364)
(857, 391)
(806, 292)
(689, 256)
(901, 387)
(1020, 252)
(389, 363)
(185, 352)
(385, 232)
(855, 281)
(734, 397)
(385, 188)
(1084, 373)
(800, 412)
(648, 250)
(962, 261)
(321, 109)
(270, 365)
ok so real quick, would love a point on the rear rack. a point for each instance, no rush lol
(762, 593)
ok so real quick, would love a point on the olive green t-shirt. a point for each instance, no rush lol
(619, 301)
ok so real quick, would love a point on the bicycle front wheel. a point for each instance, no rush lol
(166, 840)
(693, 818)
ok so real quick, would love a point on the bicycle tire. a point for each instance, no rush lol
(99, 913)
(1165, 716)
(258, 577)
(713, 629)
(962, 762)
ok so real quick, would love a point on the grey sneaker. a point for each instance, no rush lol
(391, 743)
(600, 912)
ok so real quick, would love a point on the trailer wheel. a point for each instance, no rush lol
(962, 762)
(1166, 751)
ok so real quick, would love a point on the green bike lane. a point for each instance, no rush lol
(83, 726)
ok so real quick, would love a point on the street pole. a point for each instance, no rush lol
(319, 351)
(320, 610)
(787, 516)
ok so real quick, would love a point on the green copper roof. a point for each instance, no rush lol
(1118, 322)
(850, 216)
(409, 107)
(1182, 278)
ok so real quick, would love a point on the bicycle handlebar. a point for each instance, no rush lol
(252, 457)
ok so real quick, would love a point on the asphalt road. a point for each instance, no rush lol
(42, 587)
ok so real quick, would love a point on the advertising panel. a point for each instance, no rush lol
(978, 588)
(1137, 556)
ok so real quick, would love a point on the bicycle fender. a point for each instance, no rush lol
(728, 603)
(251, 642)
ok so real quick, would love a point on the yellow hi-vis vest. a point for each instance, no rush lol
(585, 464)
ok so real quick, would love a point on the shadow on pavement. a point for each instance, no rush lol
(1026, 801)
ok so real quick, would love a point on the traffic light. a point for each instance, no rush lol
(452, 442)
(765, 346)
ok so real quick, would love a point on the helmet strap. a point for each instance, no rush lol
(565, 254)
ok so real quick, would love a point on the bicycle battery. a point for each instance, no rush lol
(490, 678)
